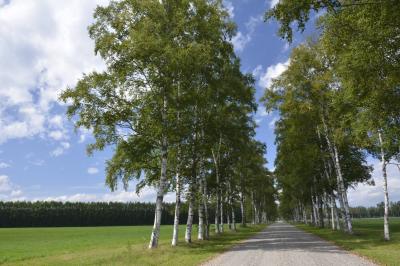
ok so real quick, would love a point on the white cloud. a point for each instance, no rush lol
(229, 8)
(16, 193)
(273, 71)
(4, 165)
(273, 3)
(146, 195)
(8, 190)
(56, 135)
(5, 183)
(367, 195)
(241, 40)
(84, 134)
(92, 170)
(44, 47)
(271, 123)
(60, 149)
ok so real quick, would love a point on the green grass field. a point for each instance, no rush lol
(367, 240)
(124, 245)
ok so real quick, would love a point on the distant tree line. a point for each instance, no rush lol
(49, 214)
(375, 212)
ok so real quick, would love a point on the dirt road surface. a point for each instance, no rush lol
(284, 244)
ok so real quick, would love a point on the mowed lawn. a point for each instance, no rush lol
(119, 245)
(367, 240)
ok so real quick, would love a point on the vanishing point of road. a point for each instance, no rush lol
(284, 244)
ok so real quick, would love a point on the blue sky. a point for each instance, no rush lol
(44, 47)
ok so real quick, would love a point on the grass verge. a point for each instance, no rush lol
(367, 239)
(120, 245)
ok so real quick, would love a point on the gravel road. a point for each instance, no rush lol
(284, 244)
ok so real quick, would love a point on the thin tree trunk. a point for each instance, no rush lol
(200, 235)
(207, 222)
(342, 194)
(218, 194)
(233, 217)
(155, 234)
(228, 218)
(242, 211)
(385, 191)
(177, 210)
(222, 216)
(216, 218)
(189, 224)
(333, 204)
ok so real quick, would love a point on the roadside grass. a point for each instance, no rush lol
(119, 245)
(367, 240)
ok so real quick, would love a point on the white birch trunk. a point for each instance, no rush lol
(347, 216)
(155, 234)
(189, 223)
(200, 234)
(233, 218)
(342, 194)
(207, 222)
(222, 216)
(385, 191)
(218, 195)
(177, 211)
(333, 212)
(242, 211)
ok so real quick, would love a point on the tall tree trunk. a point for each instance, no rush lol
(222, 215)
(228, 217)
(216, 217)
(385, 191)
(177, 210)
(320, 212)
(215, 155)
(233, 217)
(189, 223)
(333, 206)
(200, 235)
(155, 234)
(207, 222)
(232, 225)
(347, 216)
(242, 210)
(342, 193)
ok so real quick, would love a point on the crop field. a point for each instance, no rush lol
(119, 245)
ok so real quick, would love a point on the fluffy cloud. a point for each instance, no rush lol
(273, 71)
(8, 190)
(271, 123)
(60, 149)
(5, 183)
(240, 40)
(92, 170)
(146, 195)
(4, 165)
(273, 3)
(367, 195)
(229, 8)
(44, 47)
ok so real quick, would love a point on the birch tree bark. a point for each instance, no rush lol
(177, 210)
(155, 234)
(342, 194)
(242, 210)
(385, 191)
(189, 223)
(200, 235)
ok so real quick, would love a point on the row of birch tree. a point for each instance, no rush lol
(339, 102)
(177, 110)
